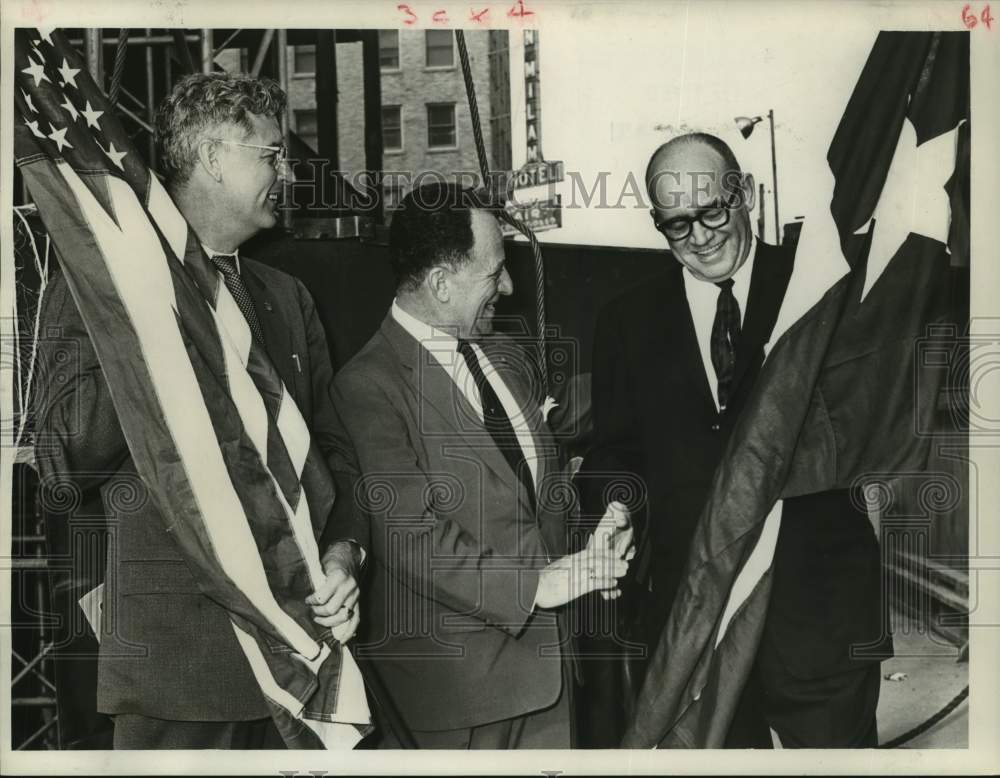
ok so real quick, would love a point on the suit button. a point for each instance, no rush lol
(715, 428)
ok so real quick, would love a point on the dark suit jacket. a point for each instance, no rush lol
(654, 414)
(167, 650)
(456, 545)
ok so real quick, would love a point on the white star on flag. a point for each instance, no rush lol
(34, 128)
(28, 102)
(92, 116)
(114, 155)
(68, 105)
(59, 138)
(913, 198)
(37, 72)
(68, 73)
(46, 34)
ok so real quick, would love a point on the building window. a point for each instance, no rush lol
(388, 49)
(440, 49)
(305, 127)
(305, 61)
(441, 132)
(392, 195)
(392, 128)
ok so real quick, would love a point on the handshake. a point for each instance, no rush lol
(597, 568)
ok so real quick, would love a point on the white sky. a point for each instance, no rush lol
(606, 87)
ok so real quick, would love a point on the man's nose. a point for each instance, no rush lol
(506, 284)
(700, 234)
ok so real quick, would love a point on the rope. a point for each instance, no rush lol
(896, 742)
(119, 70)
(536, 249)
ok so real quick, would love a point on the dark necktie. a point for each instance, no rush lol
(226, 264)
(725, 338)
(496, 421)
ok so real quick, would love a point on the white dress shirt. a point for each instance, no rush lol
(703, 300)
(444, 348)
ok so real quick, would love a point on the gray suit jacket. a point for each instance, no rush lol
(456, 546)
(167, 650)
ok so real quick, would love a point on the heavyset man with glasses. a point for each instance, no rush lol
(170, 670)
(674, 362)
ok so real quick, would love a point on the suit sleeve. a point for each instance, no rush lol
(346, 521)
(77, 437)
(418, 544)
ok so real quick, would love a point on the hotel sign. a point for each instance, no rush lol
(537, 214)
(538, 174)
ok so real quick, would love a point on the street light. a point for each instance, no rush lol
(746, 125)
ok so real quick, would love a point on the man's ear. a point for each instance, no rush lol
(749, 191)
(438, 283)
(208, 158)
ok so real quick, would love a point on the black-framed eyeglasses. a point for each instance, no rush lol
(280, 152)
(711, 218)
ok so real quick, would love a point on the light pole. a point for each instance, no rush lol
(746, 125)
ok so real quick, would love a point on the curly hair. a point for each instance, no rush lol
(202, 102)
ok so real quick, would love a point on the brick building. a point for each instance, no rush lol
(426, 122)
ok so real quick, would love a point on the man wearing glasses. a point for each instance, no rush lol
(170, 670)
(674, 362)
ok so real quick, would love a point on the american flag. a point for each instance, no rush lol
(835, 398)
(198, 399)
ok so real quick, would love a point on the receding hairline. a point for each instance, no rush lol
(692, 139)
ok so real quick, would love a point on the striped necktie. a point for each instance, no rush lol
(226, 264)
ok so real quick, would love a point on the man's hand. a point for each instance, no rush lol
(593, 569)
(615, 534)
(335, 601)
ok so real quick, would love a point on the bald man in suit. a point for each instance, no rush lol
(674, 363)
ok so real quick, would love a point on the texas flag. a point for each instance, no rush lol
(835, 399)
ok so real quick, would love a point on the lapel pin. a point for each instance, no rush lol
(267, 306)
(298, 365)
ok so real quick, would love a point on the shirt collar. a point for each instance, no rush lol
(234, 254)
(427, 335)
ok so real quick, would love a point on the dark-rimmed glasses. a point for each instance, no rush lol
(711, 218)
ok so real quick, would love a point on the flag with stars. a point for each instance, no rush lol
(835, 399)
(216, 438)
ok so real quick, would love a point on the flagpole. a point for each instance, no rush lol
(774, 175)
(92, 45)
(206, 50)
